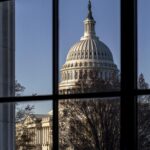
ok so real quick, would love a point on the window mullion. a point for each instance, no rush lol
(55, 74)
(128, 74)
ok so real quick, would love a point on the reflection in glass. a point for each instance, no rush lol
(89, 124)
(89, 65)
(34, 125)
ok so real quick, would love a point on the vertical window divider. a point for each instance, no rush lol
(55, 34)
(128, 74)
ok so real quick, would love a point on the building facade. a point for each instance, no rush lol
(38, 129)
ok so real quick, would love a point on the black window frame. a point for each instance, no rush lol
(128, 92)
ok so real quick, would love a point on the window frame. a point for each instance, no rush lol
(128, 92)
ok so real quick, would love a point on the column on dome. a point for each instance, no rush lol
(64, 75)
(64, 78)
(75, 74)
(80, 74)
(67, 75)
(71, 75)
(85, 74)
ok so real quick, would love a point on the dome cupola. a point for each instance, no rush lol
(89, 46)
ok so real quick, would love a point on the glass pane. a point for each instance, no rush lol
(143, 43)
(89, 124)
(33, 21)
(34, 125)
(89, 46)
(144, 122)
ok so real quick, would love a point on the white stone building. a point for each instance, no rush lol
(41, 128)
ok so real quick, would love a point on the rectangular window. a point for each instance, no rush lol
(34, 42)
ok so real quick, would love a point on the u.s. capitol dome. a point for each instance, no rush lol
(87, 60)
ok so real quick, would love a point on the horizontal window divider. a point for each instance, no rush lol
(26, 98)
(90, 95)
(135, 92)
(4, 0)
(142, 92)
(59, 97)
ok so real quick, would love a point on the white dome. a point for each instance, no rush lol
(87, 59)
(88, 49)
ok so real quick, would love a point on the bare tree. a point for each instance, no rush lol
(143, 116)
(143, 126)
(93, 124)
(19, 89)
(90, 124)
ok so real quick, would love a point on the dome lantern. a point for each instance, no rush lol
(89, 24)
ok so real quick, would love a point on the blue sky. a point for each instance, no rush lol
(107, 16)
(144, 38)
(34, 41)
(34, 37)
(34, 49)
(34, 45)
